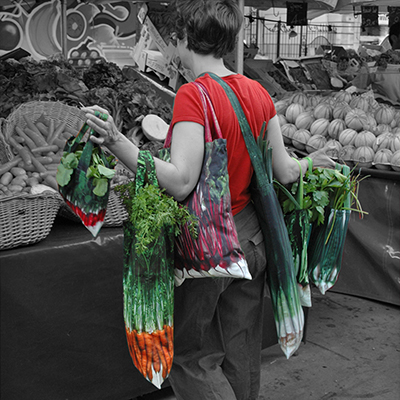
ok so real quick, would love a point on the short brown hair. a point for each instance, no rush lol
(210, 26)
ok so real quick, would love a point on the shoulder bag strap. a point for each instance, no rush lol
(252, 148)
(206, 101)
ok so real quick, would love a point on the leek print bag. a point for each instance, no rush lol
(216, 252)
(83, 178)
(281, 277)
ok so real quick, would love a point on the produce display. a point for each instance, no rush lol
(356, 128)
(37, 151)
(104, 83)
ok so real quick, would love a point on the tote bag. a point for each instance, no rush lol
(216, 251)
(79, 193)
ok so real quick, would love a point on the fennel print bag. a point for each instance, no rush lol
(216, 252)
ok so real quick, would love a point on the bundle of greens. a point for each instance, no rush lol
(329, 196)
(150, 210)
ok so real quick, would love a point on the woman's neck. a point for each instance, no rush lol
(202, 64)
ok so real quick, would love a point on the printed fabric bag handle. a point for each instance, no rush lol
(206, 101)
(253, 149)
(146, 170)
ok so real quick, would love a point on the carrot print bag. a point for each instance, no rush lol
(216, 252)
(148, 288)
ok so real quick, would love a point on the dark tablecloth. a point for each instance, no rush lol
(371, 258)
(62, 328)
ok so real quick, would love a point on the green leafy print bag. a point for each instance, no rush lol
(83, 178)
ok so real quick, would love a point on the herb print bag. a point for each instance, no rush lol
(326, 246)
(216, 252)
(83, 178)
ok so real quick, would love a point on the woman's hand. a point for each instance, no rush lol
(321, 159)
(106, 130)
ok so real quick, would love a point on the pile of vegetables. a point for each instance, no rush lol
(37, 149)
(357, 129)
(104, 83)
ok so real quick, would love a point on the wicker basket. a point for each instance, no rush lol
(27, 218)
(52, 110)
(74, 118)
(5, 151)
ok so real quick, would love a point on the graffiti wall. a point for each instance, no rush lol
(93, 31)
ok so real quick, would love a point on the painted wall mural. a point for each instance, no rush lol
(93, 31)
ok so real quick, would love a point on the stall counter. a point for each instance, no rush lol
(62, 327)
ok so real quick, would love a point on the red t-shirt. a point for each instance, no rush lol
(257, 106)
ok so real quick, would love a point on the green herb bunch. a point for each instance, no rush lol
(150, 210)
(323, 187)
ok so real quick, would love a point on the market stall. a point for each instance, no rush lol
(61, 296)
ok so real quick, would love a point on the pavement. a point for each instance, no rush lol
(351, 351)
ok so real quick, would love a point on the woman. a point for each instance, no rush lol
(218, 322)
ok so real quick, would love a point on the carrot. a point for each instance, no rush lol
(136, 350)
(149, 350)
(59, 142)
(45, 149)
(29, 168)
(30, 143)
(37, 164)
(66, 135)
(142, 348)
(170, 336)
(156, 357)
(51, 129)
(168, 361)
(36, 137)
(51, 181)
(57, 132)
(22, 151)
(163, 337)
(31, 125)
(132, 352)
(159, 350)
(42, 128)
(44, 160)
(9, 164)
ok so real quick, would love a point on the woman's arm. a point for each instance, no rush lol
(286, 170)
(178, 177)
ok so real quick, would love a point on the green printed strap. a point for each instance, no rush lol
(252, 148)
(146, 170)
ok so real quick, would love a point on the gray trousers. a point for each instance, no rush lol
(218, 327)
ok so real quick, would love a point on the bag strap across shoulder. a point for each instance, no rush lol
(252, 148)
(207, 104)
